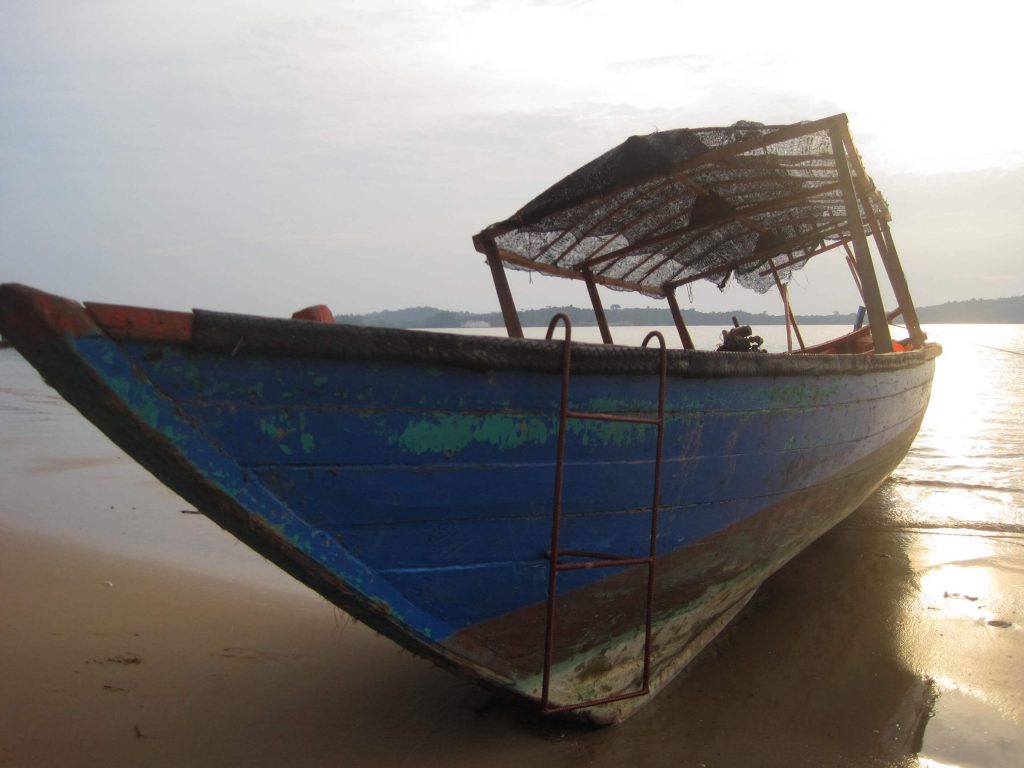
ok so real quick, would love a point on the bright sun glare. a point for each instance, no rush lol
(927, 94)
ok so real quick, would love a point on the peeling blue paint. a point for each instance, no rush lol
(439, 483)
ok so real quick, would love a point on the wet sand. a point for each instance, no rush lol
(877, 646)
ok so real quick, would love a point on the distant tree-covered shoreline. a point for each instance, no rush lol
(1008, 310)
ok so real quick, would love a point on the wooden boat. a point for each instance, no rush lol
(570, 523)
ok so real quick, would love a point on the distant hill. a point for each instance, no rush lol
(1009, 310)
(430, 317)
(413, 317)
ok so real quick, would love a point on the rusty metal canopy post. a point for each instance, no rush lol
(853, 272)
(872, 297)
(677, 318)
(508, 307)
(909, 311)
(886, 247)
(791, 324)
(595, 300)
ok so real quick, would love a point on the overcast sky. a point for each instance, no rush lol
(262, 156)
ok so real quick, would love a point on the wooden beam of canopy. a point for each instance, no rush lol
(677, 318)
(761, 255)
(694, 188)
(872, 297)
(852, 263)
(788, 309)
(662, 290)
(735, 216)
(886, 247)
(698, 257)
(595, 300)
(672, 256)
(774, 135)
(804, 258)
(913, 323)
(574, 274)
(640, 194)
(508, 307)
(784, 133)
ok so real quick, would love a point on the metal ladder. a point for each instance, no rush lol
(587, 560)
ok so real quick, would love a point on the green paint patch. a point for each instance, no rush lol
(279, 429)
(269, 428)
(448, 433)
(138, 396)
(618, 405)
(594, 434)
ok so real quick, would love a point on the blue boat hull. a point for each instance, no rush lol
(409, 477)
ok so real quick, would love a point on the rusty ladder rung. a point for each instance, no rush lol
(612, 417)
(592, 560)
(595, 560)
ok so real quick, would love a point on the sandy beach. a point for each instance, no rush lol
(858, 653)
(108, 661)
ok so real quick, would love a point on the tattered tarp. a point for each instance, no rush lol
(662, 210)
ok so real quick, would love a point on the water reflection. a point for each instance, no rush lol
(960, 494)
(952, 572)
(971, 439)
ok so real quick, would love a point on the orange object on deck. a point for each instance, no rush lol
(320, 313)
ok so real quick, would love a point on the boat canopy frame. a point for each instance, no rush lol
(749, 202)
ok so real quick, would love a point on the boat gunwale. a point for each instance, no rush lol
(246, 335)
(242, 335)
